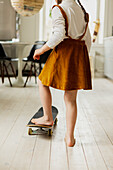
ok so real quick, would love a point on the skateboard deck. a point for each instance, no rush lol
(40, 128)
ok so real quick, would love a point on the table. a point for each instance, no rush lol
(20, 46)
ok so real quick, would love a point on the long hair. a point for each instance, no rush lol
(59, 1)
(86, 15)
(81, 6)
(83, 9)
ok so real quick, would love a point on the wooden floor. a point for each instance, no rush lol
(94, 130)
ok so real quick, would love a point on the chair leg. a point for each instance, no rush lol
(31, 70)
(24, 67)
(7, 73)
(28, 76)
(2, 75)
(40, 68)
(1, 68)
(12, 69)
(35, 73)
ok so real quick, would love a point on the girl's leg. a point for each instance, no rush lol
(71, 116)
(46, 100)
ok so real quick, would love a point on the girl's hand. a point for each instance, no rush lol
(37, 54)
(40, 51)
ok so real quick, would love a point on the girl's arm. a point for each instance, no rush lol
(40, 51)
(58, 33)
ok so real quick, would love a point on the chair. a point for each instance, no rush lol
(43, 58)
(4, 67)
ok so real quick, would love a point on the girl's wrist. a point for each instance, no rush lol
(45, 48)
(42, 50)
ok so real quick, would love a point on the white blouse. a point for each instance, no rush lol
(75, 20)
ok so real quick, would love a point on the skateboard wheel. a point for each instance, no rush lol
(56, 120)
(30, 131)
(50, 132)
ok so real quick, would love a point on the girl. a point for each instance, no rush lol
(67, 67)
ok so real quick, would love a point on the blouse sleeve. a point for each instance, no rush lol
(58, 31)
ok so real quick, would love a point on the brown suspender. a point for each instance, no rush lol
(65, 17)
(66, 22)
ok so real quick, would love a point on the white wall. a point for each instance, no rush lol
(29, 28)
(7, 20)
(108, 18)
(90, 6)
(45, 21)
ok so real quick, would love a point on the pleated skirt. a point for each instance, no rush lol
(68, 67)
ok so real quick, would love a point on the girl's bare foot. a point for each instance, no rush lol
(70, 142)
(42, 121)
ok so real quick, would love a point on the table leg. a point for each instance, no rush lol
(19, 81)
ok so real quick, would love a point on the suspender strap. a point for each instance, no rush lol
(66, 22)
(80, 38)
(65, 17)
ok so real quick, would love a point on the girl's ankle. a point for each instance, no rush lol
(70, 136)
(48, 118)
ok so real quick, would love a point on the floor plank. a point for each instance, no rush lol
(58, 147)
(94, 130)
(77, 159)
(90, 148)
(41, 154)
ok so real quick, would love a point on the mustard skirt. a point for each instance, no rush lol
(68, 67)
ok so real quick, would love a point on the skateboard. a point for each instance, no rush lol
(42, 129)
